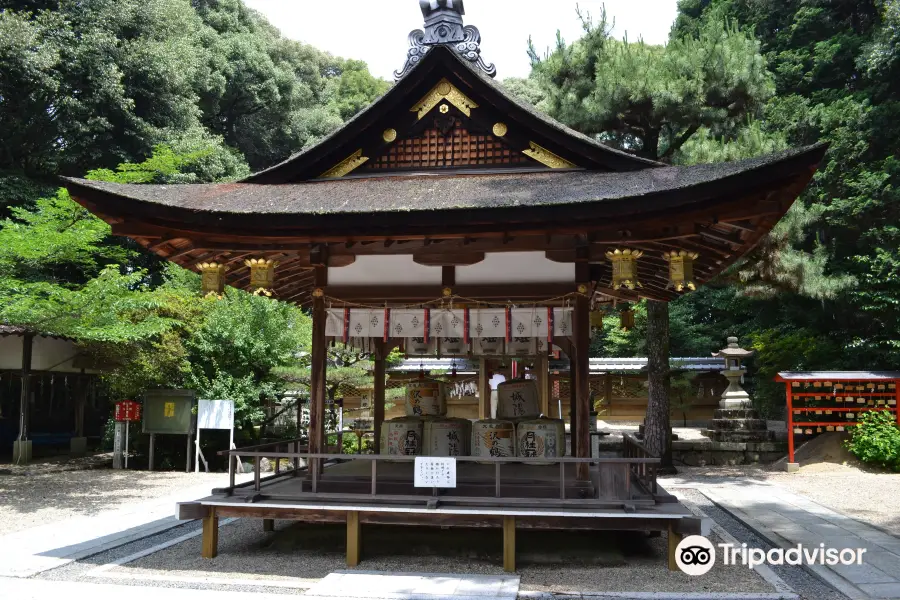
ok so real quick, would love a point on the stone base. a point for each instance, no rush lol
(22, 452)
(793, 467)
(78, 446)
(704, 453)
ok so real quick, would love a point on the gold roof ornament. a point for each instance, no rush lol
(681, 269)
(624, 268)
(212, 278)
(444, 90)
(262, 276)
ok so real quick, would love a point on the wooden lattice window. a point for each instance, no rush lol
(458, 147)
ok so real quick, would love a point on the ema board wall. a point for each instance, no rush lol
(48, 354)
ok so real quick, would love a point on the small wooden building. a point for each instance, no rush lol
(447, 214)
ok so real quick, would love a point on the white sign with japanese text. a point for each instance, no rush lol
(435, 472)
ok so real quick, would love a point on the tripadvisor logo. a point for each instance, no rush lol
(696, 555)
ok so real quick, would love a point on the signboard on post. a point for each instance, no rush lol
(435, 472)
(169, 412)
(126, 412)
(213, 414)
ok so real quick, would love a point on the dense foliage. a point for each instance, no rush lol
(876, 440)
(740, 78)
(152, 91)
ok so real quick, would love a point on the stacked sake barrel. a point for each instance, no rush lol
(425, 430)
(518, 429)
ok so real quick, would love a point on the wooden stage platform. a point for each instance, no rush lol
(505, 494)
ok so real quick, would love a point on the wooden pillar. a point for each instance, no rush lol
(354, 538)
(81, 392)
(509, 544)
(673, 541)
(484, 389)
(573, 400)
(268, 525)
(581, 328)
(27, 350)
(210, 543)
(378, 393)
(543, 368)
(317, 372)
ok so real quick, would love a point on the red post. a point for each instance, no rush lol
(897, 396)
(790, 421)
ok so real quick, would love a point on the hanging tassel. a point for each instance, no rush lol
(508, 324)
(346, 336)
(427, 331)
(550, 327)
(387, 324)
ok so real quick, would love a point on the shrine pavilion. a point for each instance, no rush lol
(449, 218)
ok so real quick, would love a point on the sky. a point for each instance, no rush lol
(376, 30)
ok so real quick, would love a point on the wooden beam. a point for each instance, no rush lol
(414, 293)
(712, 234)
(448, 259)
(210, 543)
(543, 367)
(509, 544)
(354, 538)
(448, 276)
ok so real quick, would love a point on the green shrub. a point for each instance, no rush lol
(876, 440)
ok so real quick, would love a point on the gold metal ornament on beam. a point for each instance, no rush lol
(544, 156)
(500, 129)
(389, 135)
(262, 275)
(444, 90)
(212, 278)
(681, 269)
(624, 268)
(626, 320)
(346, 166)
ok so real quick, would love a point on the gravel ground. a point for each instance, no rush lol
(568, 562)
(30, 500)
(866, 495)
(804, 583)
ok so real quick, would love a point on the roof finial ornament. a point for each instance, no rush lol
(444, 26)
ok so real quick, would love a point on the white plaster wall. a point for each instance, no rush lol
(47, 354)
(515, 267)
(384, 270)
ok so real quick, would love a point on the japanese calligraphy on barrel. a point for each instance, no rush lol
(493, 438)
(425, 399)
(448, 437)
(541, 438)
(402, 436)
(518, 400)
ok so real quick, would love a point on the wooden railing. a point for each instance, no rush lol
(644, 465)
(639, 467)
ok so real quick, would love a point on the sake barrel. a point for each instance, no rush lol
(425, 399)
(541, 438)
(402, 436)
(447, 437)
(493, 437)
(518, 399)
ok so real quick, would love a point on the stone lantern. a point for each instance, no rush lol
(734, 396)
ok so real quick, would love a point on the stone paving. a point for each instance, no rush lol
(32, 551)
(374, 585)
(787, 519)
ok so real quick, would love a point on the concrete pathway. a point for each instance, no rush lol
(32, 551)
(36, 589)
(376, 585)
(787, 519)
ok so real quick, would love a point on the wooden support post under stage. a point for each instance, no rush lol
(378, 392)
(581, 342)
(317, 376)
(509, 544)
(210, 543)
(268, 525)
(543, 378)
(673, 541)
(484, 389)
(354, 538)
